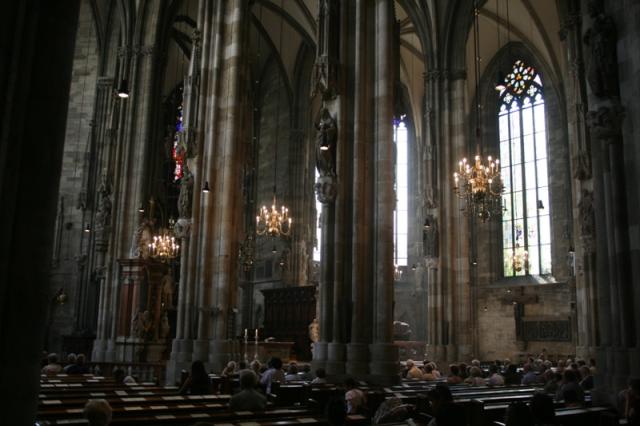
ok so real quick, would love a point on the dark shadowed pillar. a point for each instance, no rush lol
(37, 44)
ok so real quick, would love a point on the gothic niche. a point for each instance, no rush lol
(325, 73)
(602, 69)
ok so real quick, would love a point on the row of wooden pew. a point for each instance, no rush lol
(62, 399)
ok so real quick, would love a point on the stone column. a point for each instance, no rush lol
(384, 354)
(228, 185)
(358, 348)
(326, 192)
(200, 261)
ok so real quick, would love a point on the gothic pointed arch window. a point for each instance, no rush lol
(526, 225)
(401, 212)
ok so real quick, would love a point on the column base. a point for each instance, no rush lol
(220, 353)
(200, 350)
(357, 359)
(99, 347)
(320, 355)
(337, 355)
(384, 360)
(110, 352)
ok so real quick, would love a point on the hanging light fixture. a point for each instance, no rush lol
(123, 89)
(479, 183)
(164, 246)
(276, 221)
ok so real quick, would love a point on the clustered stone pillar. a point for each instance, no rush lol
(209, 274)
(603, 208)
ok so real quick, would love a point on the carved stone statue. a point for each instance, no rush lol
(167, 288)
(326, 144)
(103, 214)
(314, 331)
(602, 71)
(586, 214)
(165, 327)
(142, 236)
(186, 194)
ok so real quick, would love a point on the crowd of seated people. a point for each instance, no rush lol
(563, 382)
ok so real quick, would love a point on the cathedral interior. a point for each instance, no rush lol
(346, 183)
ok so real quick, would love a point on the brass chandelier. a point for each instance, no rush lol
(164, 247)
(273, 222)
(479, 184)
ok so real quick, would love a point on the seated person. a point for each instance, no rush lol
(542, 409)
(454, 378)
(52, 366)
(392, 410)
(530, 377)
(71, 362)
(198, 382)
(570, 389)
(306, 373)
(230, 369)
(511, 376)
(97, 412)
(249, 398)
(292, 373)
(273, 374)
(445, 412)
(80, 366)
(475, 377)
(321, 377)
(355, 398)
(495, 378)
(413, 372)
(428, 373)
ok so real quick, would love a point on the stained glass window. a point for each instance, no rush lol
(178, 151)
(401, 213)
(526, 225)
(318, 241)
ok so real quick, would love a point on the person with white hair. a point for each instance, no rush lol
(71, 363)
(97, 412)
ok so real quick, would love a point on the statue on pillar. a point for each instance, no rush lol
(168, 287)
(103, 214)
(143, 234)
(326, 144)
(602, 69)
(165, 327)
(186, 194)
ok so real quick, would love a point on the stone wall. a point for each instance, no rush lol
(497, 319)
(74, 204)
